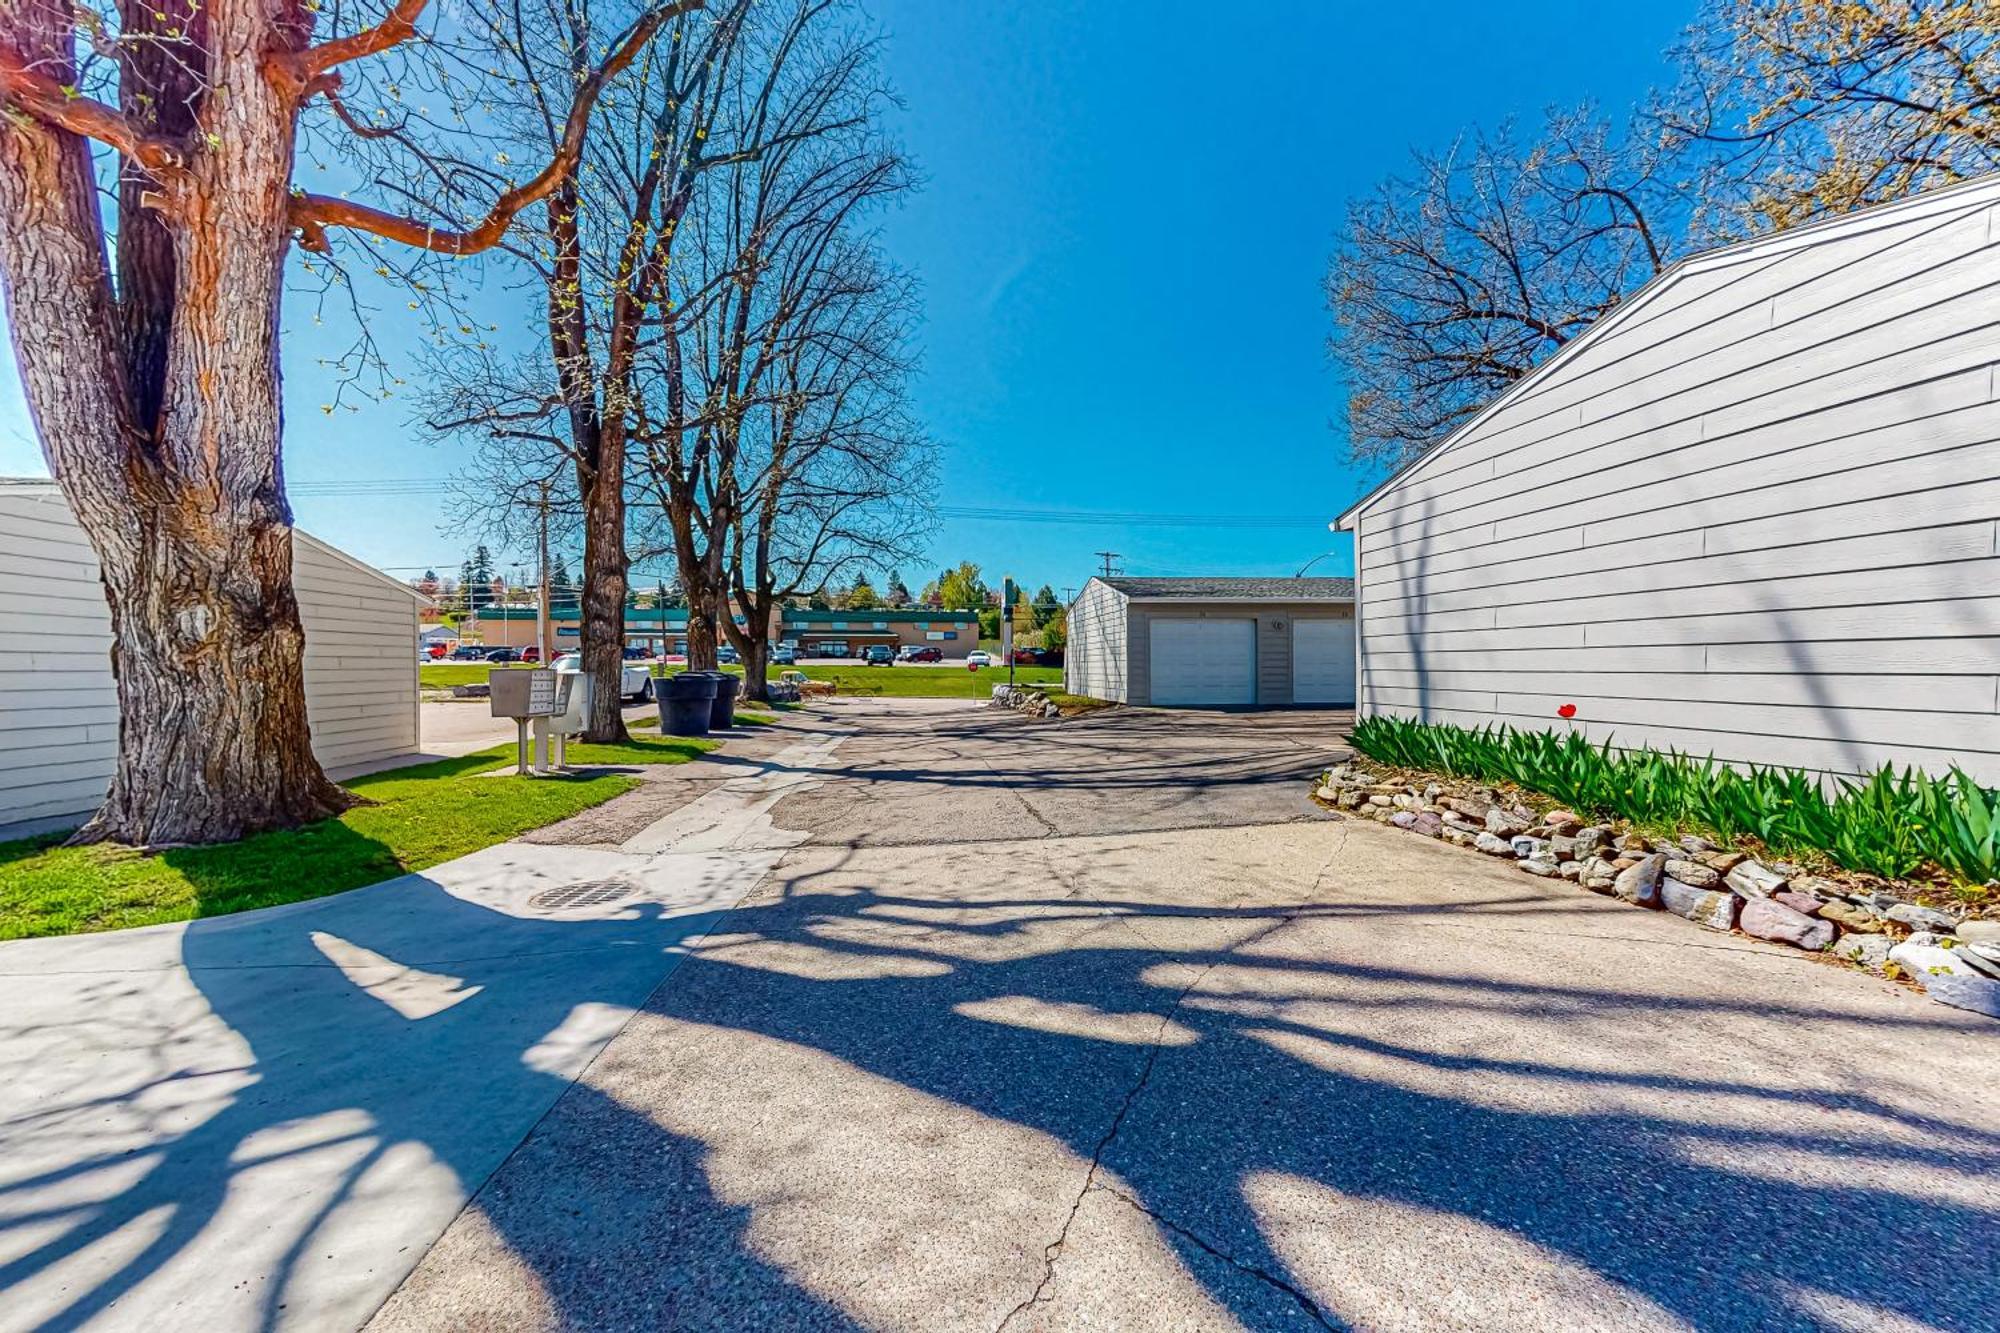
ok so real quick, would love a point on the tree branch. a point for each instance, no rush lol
(396, 28)
(63, 108)
(312, 214)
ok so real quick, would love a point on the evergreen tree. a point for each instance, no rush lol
(1047, 607)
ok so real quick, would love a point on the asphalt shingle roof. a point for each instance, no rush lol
(1223, 590)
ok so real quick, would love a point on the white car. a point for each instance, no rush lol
(979, 657)
(635, 681)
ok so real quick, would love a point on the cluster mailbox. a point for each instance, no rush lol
(554, 701)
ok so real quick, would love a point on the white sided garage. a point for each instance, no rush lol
(1213, 643)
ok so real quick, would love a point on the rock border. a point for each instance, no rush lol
(1953, 957)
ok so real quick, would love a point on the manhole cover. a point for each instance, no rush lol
(588, 893)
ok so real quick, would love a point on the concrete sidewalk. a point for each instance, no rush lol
(262, 1121)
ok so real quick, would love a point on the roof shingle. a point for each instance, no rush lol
(1224, 590)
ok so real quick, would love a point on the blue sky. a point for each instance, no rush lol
(1126, 217)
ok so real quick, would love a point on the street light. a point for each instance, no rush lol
(1310, 563)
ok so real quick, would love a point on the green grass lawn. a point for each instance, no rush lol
(444, 675)
(912, 682)
(420, 816)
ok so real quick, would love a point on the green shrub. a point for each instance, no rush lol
(1889, 823)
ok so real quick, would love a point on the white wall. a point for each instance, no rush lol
(59, 709)
(1095, 653)
(1755, 514)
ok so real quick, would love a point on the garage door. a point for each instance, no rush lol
(1204, 662)
(1323, 662)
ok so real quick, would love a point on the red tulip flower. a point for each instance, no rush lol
(1566, 711)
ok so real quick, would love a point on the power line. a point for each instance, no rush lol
(1107, 557)
(417, 487)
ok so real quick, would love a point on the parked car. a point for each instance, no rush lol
(922, 652)
(436, 651)
(878, 654)
(978, 657)
(635, 682)
(502, 655)
(637, 652)
(832, 648)
(531, 654)
(727, 655)
(1026, 657)
(785, 654)
(468, 652)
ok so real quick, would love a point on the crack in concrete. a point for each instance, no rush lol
(1052, 1253)
(1305, 1302)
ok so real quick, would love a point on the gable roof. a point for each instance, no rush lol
(1234, 590)
(48, 485)
(1970, 195)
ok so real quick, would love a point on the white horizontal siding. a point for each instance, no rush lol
(1097, 654)
(58, 703)
(1756, 515)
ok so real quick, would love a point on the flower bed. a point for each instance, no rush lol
(1726, 876)
(1889, 825)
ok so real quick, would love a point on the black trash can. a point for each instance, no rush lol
(722, 713)
(686, 703)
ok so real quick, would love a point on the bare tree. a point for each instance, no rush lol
(798, 113)
(600, 267)
(834, 476)
(154, 383)
(1456, 282)
(1822, 106)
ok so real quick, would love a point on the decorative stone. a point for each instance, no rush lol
(1381, 802)
(1403, 819)
(1458, 837)
(1922, 918)
(1538, 865)
(1769, 919)
(1850, 917)
(1505, 824)
(1802, 903)
(1473, 810)
(1427, 824)
(1563, 847)
(1348, 800)
(1598, 875)
(1978, 931)
(1525, 846)
(1592, 840)
(1633, 842)
(1926, 960)
(1817, 885)
(1712, 908)
(1563, 821)
(1723, 861)
(1328, 793)
(1979, 994)
(1640, 884)
(1692, 843)
(1754, 879)
(1867, 950)
(1983, 957)
(1695, 873)
(1493, 844)
(1407, 801)
(1570, 870)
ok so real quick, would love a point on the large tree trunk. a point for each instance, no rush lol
(603, 600)
(167, 449)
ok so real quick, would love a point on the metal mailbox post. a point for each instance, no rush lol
(534, 695)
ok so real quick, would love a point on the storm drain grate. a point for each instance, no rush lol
(587, 893)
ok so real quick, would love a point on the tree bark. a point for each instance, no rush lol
(604, 577)
(167, 451)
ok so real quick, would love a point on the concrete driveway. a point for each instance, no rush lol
(1099, 1024)
(961, 1021)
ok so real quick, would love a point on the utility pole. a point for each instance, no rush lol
(1107, 557)
(542, 552)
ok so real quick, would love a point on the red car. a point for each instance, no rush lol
(922, 655)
